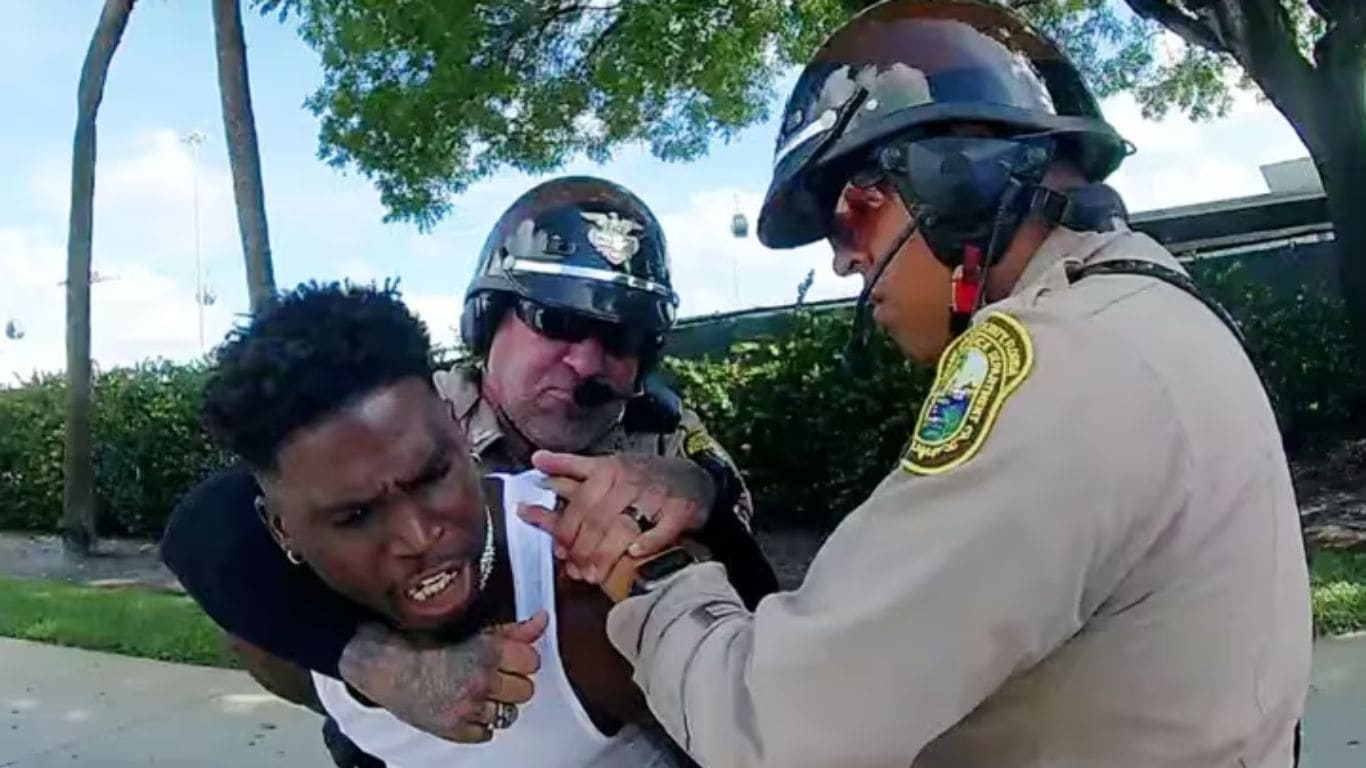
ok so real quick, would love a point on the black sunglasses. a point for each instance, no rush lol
(573, 327)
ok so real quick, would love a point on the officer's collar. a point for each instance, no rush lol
(1063, 250)
(463, 388)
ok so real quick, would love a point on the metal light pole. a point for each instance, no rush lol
(194, 139)
(739, 228)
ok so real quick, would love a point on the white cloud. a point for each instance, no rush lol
(143, 244)
(1180, 162)
(714, 271)
(136, 313)
(441, 313)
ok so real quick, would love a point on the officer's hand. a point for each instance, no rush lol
(604, 498)
(455, 692)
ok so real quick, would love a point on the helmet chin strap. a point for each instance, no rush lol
(853, 357)
(969, 282)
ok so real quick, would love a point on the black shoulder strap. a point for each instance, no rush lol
(1183, 282)
(1167, 275)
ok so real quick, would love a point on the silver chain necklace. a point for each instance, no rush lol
(486, 557)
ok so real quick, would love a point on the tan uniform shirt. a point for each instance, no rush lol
(1090, 556)
(460, 387)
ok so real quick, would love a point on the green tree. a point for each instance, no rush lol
(425, 97)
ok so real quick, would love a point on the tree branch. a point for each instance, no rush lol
(1186, 25)
(1264, 41)
(602, 37)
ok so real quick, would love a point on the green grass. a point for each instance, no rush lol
(1339, 581)
(172, 628)
(127, 621)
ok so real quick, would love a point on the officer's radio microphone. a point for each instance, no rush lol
(594, 393)
(853, 360)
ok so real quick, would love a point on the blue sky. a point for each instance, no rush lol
(326, 224)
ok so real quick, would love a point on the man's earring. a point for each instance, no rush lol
(260, 503)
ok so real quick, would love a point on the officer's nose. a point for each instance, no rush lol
(845, 237)
(587, 357)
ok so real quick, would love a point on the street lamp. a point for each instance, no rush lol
(739, 228)
(739, 224)
(195, 139)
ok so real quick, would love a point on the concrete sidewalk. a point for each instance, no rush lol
(1335, 723)
(73, 708)
(78, 709)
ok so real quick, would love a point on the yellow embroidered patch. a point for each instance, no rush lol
(977, 373)
(696, 442)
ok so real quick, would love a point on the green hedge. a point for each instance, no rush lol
(813, 441)
(811, 438)
(149, 448)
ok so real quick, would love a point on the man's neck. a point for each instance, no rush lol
(1002, 278)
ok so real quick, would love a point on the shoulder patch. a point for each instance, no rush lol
(977, 374)
(697, 442)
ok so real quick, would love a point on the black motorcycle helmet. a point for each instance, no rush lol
(576, 243)
(905, 69)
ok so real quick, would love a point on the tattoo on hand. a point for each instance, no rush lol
(433, 688)
(676, 477)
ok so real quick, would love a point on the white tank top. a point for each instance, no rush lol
(552, 730)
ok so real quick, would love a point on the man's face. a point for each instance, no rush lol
(382, 501)
(532, 378)
(911, 299)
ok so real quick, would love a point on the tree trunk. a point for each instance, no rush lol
(239, 125)
(78, 482)
(1340, 106)
(1343, 172)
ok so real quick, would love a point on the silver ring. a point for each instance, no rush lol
(504, 715)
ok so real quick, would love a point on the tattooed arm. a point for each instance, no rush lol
(449, 691)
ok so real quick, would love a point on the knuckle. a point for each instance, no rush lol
(476, 689)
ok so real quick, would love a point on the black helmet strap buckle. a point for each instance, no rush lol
(1089, 208)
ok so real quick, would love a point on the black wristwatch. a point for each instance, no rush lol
(631, 576)
(657, 569)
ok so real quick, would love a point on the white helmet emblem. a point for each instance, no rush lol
(613, 236)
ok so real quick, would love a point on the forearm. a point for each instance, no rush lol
(735, 546)
(728, 535)
(288, 681)
(690, 647)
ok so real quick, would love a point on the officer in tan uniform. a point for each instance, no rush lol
(1089, 553)
(581, 259)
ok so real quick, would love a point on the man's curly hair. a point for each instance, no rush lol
(314, 351)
